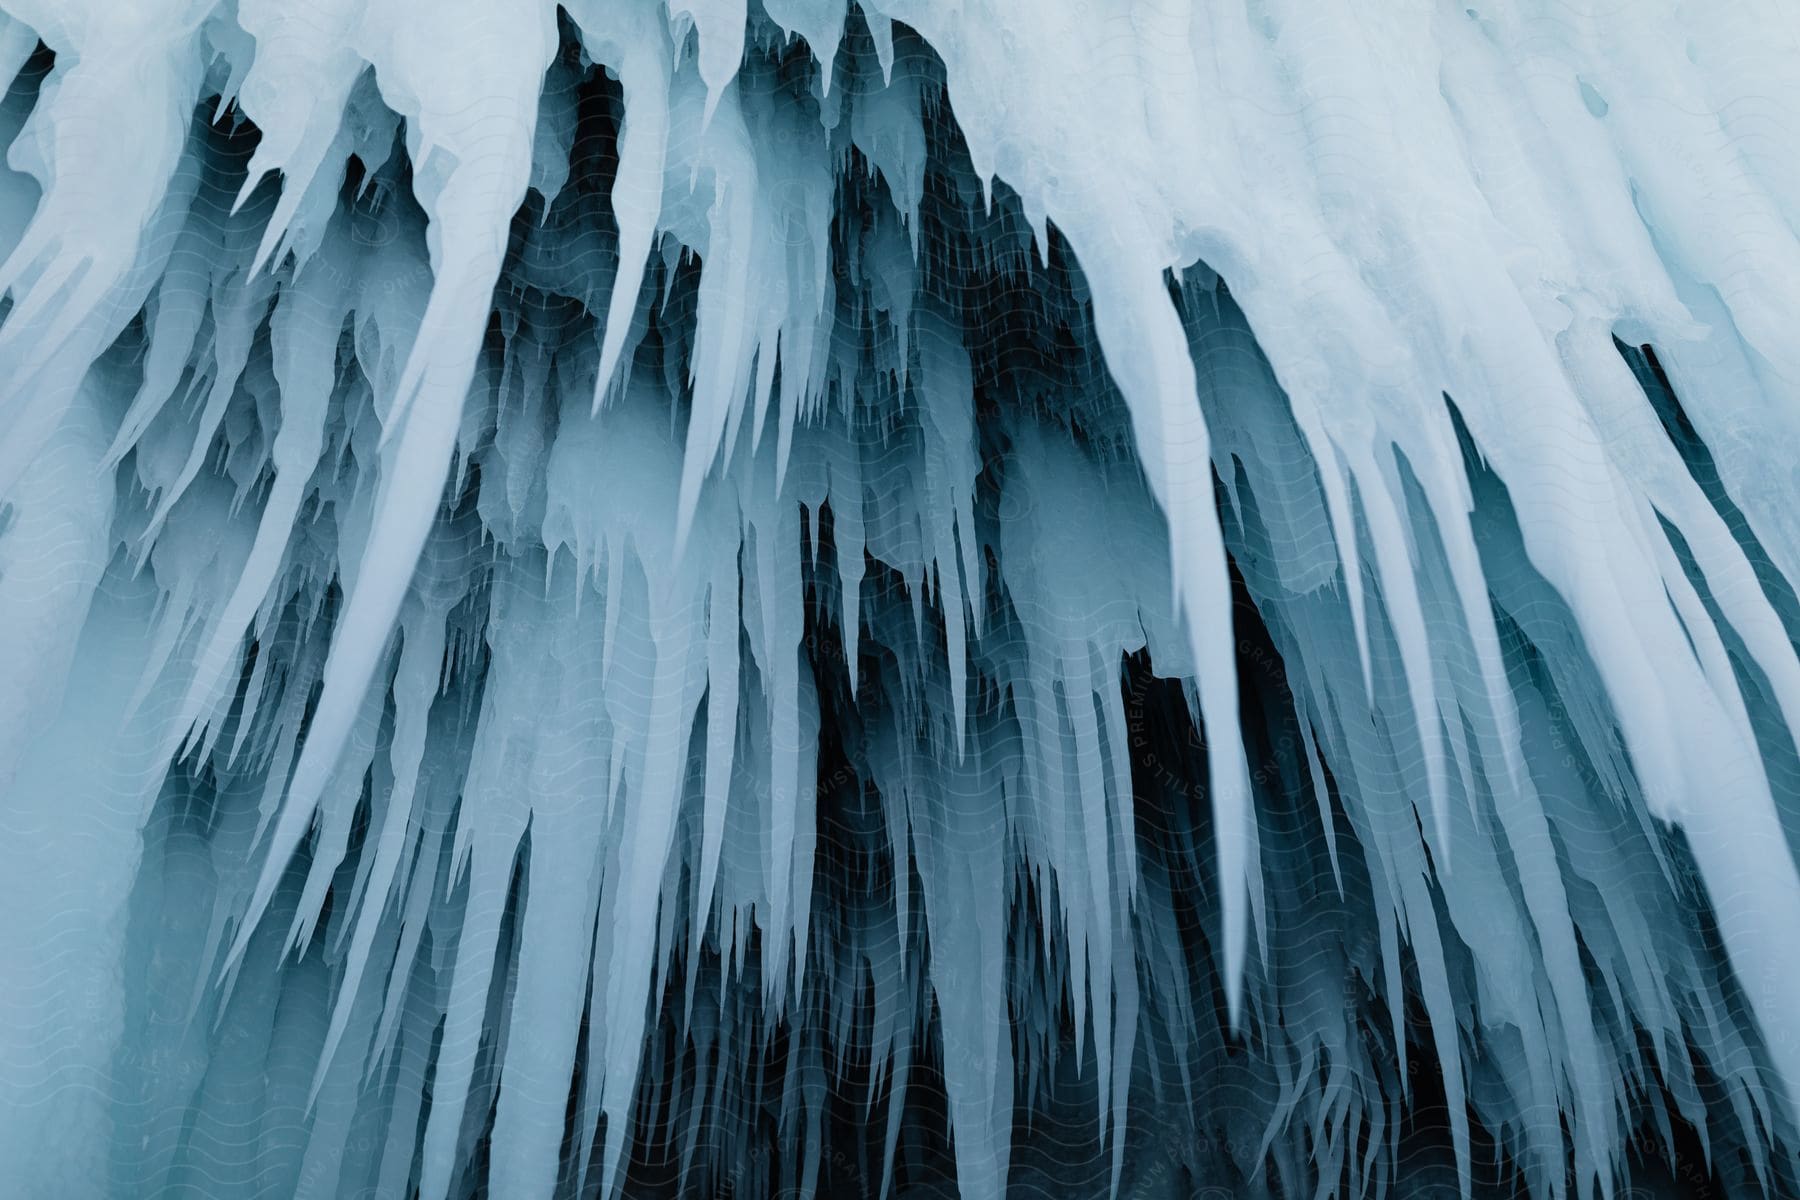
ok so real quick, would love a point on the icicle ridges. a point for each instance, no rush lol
(649, 598)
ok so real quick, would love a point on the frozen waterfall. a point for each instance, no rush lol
(918, 598)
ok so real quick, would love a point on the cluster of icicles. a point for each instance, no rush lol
(716, 599)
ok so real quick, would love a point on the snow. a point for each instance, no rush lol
(654, 596)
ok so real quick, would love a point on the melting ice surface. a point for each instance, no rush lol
(691, 597)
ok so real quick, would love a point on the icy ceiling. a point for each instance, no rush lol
(1098, 597)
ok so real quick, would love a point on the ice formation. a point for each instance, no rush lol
(778, 597)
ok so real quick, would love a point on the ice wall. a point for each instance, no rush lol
(788, 598)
